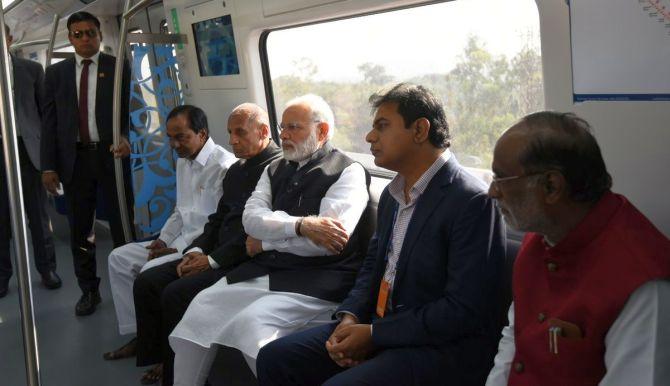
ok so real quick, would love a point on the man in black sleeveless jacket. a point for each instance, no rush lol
(163, 293)
(300, 221)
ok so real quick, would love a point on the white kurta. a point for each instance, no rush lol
(199, 187)
(247, 315)
(637, 346)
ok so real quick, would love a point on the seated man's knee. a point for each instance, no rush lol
(142, 284)
(269, 353)
(116, 260)
(273, 362)
(169, 294)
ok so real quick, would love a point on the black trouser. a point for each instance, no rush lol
(161, 299)
(34, 200)
(93, 167)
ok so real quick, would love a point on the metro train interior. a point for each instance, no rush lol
(490, 61)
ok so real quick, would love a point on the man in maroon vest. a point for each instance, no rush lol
(591, 306)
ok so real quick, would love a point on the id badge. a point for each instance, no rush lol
(384, 289)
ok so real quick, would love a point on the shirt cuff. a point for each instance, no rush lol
(267, 245)
(213, 263)
(340, 315)
(194, 249)
(167, 238)
(289, 228)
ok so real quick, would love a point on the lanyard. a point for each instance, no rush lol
(389, 243)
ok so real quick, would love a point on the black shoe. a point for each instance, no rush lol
(51, 280)
(87, 302)
(4, 287)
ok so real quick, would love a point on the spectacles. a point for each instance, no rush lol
(91, 33)
(292, 126)
(495, 181)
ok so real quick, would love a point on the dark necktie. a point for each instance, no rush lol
(84, 136)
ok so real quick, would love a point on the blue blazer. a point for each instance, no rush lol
(60, 120)
(448, 275)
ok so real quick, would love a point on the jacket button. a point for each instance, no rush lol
(295, 184)
(541, 317)
(518, 367)
(552, 267)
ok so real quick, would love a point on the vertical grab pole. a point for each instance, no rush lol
(19, 234)
(116, 124)
(52, 39)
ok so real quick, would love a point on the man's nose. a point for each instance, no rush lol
(369, 137)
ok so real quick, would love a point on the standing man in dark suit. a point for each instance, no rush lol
(77, 145)
(420, 312)
(29, 76)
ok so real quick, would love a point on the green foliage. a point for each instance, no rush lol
(483, 96)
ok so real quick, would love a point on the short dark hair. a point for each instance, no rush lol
(197, 120)
(564, 142)
(416, 102)
(82, 16)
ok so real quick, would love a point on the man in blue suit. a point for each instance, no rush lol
(421, 311)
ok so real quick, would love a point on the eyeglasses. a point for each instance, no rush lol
(292, 126)
(91, 33)
(495, 181)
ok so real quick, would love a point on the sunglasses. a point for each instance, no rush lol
(91, 33)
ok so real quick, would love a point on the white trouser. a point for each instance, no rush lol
(125, 263)
(245, 316)
(193, 363)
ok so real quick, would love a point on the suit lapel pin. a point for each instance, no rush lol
(101, 75)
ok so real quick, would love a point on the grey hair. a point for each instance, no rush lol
(321, 111)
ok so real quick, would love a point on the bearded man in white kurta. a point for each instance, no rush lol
(201, 166)
(300, 223)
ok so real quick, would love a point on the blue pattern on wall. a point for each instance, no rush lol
(153, 94)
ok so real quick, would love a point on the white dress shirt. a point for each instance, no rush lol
(345, 201)
(637, 345)
(92, 87)
(199, 187)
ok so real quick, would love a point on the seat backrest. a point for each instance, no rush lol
(368, 222)
(512, 248)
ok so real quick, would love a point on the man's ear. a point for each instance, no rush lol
(324, 129)
(421, 130)
(265, 131)
(204, 134)
(554, 186)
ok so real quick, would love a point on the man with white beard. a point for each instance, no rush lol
(300, 223)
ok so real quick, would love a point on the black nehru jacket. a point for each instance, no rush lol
(299, 193)
(223, 237)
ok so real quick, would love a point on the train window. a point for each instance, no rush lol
(481, 57)
(68, 48)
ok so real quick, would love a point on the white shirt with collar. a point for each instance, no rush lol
(637, 345)
(199, 188)
(92, 88)
(345, 201)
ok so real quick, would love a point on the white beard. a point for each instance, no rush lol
(303, 150)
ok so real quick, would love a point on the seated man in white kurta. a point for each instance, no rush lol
(201, 166)
(300, 222)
